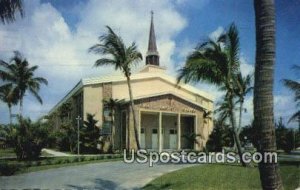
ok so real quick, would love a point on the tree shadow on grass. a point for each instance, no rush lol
(154, 187)
(99, 184)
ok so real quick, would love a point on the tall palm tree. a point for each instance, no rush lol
(122, 58)
(295, 87)
(8, 96)
(217, 62)
(244, 87)
(21, 76)
(263, 90)
(8, 9)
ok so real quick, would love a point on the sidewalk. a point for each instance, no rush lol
(55, 153)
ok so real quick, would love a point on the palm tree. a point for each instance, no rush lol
(294, 86)
(217, 62)
(243, 88)
(21, 76)
(8, 9)
(223, 110)
(122, 58)
(8, 96)
(263, 90)
(89, 134)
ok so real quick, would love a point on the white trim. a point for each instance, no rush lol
(139, 76)
(73, 91)
(166, 93)
(134, 77)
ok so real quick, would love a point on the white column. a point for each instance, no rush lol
(178, 132)
(159, 132)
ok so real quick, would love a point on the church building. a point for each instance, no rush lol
(170, 116)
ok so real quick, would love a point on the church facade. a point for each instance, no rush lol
(170, 116)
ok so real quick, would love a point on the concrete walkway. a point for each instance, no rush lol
(106, 175)
(55, 153)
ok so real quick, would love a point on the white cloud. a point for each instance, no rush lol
(246, 68)
(215, 34)
(47, 40)
(283, 107)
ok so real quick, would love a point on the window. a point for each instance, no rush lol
(107, 119)
(173, 131)
(154, 131)
(142, 130)
(106, 128)
(107, 114)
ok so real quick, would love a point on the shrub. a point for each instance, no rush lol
(58, 161)
(9, 169)
(48, 162)
(67, 160)
(109, 157)
(29, 139)
(82, 158)
(28, 164)
(75, 159)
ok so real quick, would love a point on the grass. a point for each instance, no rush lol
(46, 167)
(13, 166)
(217, 176)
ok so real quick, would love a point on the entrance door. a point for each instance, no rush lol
(142, 137)
(173, 138)
(154, 138)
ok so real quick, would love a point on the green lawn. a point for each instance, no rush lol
(217, 176)
(13, 166)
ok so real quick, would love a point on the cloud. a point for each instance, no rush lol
(60, 50)
(246, 68)
(215, 34)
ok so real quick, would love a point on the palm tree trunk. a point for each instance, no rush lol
(21, 108)
(263, 90)
(240, 122)
(241, 113)
(234, 130)
(133, 114)
(10, 115)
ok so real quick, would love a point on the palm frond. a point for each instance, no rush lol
(120, 56)
(36, 95)
(41, 80)
(295, 117)
(104, 61)
(8, 9)
(293, 85)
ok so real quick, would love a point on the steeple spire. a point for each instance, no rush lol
(152, 57)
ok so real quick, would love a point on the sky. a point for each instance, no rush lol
(56, 35)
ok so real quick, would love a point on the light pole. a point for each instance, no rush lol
(78, 118)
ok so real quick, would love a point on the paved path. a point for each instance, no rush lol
(106, 175)
(55, 153)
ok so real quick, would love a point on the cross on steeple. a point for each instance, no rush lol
(152, 57)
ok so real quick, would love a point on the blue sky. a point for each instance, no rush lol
(61, 31)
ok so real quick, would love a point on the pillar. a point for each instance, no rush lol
(160, 133)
